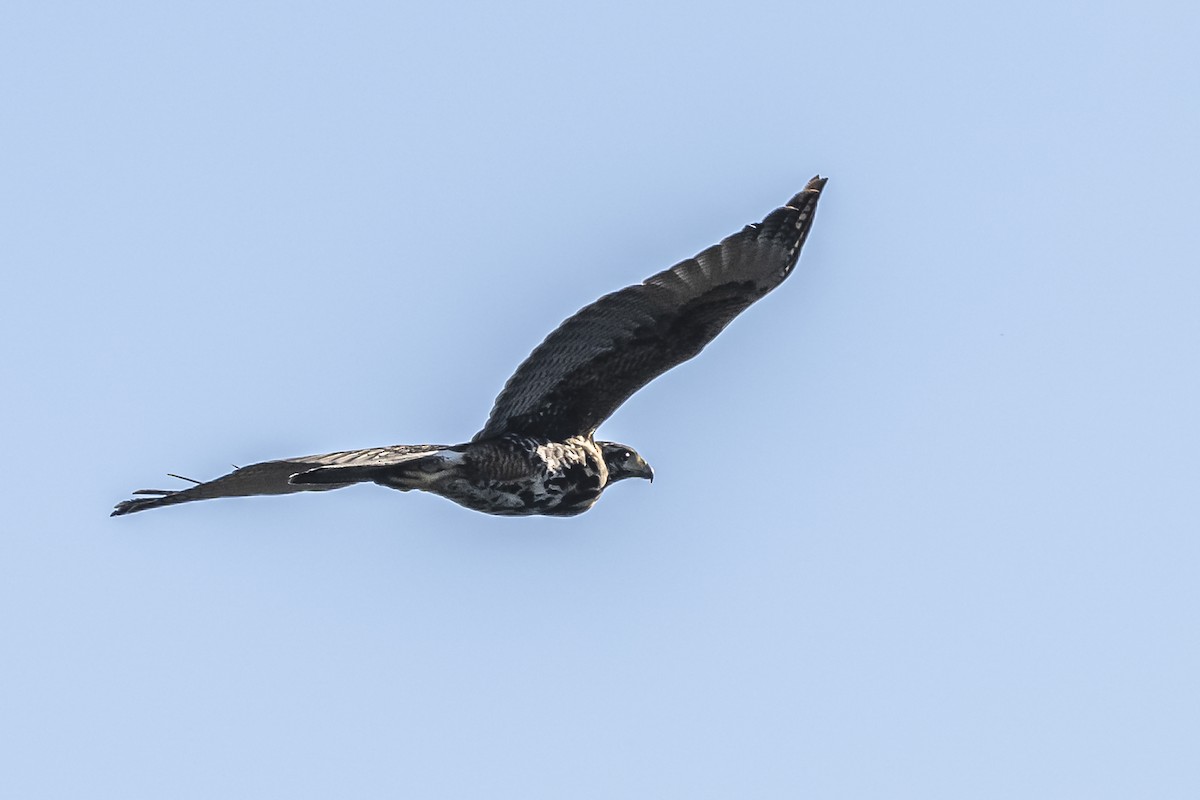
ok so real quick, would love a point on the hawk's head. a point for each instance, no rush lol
(624, 462)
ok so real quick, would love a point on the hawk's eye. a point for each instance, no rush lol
(627, 455)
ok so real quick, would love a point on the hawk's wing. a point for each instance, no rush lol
(595, 360)
(285, 476)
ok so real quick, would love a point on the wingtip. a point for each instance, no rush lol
(809, 195)
(124, 507)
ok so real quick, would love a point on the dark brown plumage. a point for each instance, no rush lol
(595, 360)
(535, 454)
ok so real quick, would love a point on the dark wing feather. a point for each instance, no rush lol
(594, 361)
(275, 477)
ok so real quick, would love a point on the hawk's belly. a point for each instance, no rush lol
(565, 494)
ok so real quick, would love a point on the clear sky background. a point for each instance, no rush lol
(925, 522)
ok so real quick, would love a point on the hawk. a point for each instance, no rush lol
(536, 453)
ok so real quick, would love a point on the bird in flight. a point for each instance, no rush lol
(536, 453)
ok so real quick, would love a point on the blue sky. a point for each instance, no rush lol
(924, 521)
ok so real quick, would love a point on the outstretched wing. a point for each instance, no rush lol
(276, 477)
(594, 361)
